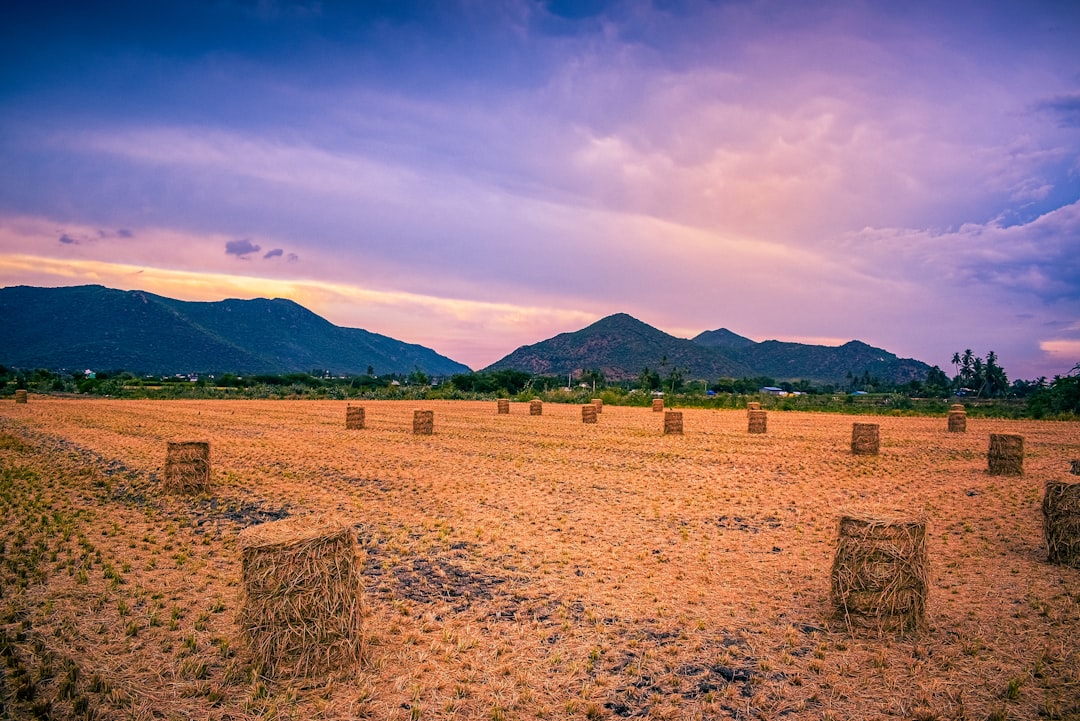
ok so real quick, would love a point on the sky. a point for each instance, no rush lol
(477, 175)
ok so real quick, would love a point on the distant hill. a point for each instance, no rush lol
(816, 363)
(99, 328)
(621, 346)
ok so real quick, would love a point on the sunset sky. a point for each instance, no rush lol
(477, 175)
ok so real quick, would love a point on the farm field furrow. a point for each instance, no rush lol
(520, 567)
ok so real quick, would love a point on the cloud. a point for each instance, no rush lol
(1067, 350)
(68, 240)
(275, 253)
(292, 257)
(241, 248)
(1066, 108)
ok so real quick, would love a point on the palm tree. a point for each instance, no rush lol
(956, 362)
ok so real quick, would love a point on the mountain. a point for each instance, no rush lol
(91, 326)
(620, 346)
(817, 363)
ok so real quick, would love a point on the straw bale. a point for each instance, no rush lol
(672, 423)
(1061, 522)
(865, 439)
(757, 421)
(588, 413)
(880, 573)
(20, 395)
(658, 405)
(1006, 455)
(300, 612)
(504, 406)
(354, 417)
(599, 403)
(753, 406)
(957, 422)
(187, 467)
(423, 422)
(536, 408)
(1075, 470)
(957, 407)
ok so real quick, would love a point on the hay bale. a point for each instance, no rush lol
(536, 408)
(187, 467)
(354, 417)
(423, 423)
(753, 406)
(657, 405)
(1006, 455)
(599, 403)
(957, 422)
(757, 421)
(880, 573)
(20, 395)
(1075, 470)
(672, 423)
(504, 406)
(865, 439)
(957, 407)
(1061, 522)
(300, 610)
(588, 413)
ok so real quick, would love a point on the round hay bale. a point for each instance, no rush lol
(957, 407)
(300, 608)
(865, 439)
(1006, 455)
(957, 422)
(20, 395)
(757, 421)
(1061, 522)
(657, 405)
(187, 467)
(880, 573)
(536, 408)
(599, 403)
(504, 406)
(423, 423)
(1075, 469)
(354, 417)
(753, 406)
(588, 413)
(672, 423)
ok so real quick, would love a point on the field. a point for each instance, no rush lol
(520, 567)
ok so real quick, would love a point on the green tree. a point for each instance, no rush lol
(649, 380)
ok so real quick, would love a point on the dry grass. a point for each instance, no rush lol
(880, 573)
(1061, 522)
(673, 423)
(757, 421)
(187, 467)
(865, 439)
(516, 567)
(958, 421)
(354, 418)
(1005, 456)
(300, 610)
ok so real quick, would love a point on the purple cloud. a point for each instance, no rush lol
(68, 240)
(275, 253)
(241, 248)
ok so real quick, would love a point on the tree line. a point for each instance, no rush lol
(975, 378)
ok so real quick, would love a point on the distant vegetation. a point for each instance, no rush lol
(980, 384)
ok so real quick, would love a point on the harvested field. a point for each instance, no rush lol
(519, 567)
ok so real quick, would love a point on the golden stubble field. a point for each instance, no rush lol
(527, 567)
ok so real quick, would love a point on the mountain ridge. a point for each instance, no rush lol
(91, 326)
(621, 347)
